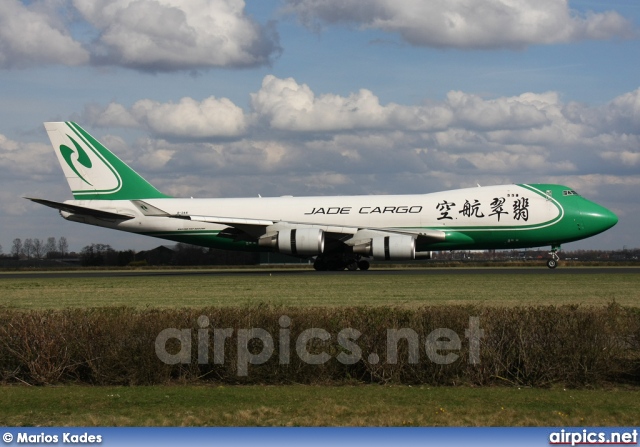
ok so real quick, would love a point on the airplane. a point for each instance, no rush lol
(338, 232)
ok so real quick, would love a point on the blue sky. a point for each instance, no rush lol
(308, 97)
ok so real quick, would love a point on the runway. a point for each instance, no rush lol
(542, 270)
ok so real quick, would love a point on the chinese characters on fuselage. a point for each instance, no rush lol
(520, 207)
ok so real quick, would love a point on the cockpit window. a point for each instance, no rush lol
(569, 192)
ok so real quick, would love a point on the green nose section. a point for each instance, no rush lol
(596, 218)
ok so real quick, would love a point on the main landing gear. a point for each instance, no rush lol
(338, 262)
(553, 262)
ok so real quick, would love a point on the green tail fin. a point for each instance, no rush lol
(93, 172)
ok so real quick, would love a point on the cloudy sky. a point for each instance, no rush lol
(218, 98)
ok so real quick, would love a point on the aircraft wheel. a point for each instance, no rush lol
(352, 266)
(363, 265)
(552, 263)
(335, 266)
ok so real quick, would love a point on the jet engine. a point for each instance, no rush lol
(300, 241)
(389, 248)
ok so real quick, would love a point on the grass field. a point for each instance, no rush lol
(290, 289)
(297, 405)
(362, 405)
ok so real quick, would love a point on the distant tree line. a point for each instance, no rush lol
(34, 248)
(98, 254)
(181, 254)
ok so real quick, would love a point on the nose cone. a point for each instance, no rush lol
(596, 218)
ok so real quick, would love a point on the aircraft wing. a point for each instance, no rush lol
(82, 210)
(253, 227)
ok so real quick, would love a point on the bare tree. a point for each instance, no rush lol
(63, 247)
(98, 254)
(27, 247)
(16, 247)
(50, 247)
(0, 249)
(38, 248)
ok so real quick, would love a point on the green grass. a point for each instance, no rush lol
(297, 405)
(364, 405)
(441, 288)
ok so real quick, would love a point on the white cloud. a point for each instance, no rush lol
(113, 115)
(166, 35)
(285, 104)
(624, 158)
(623, 112)
(187, 119)
(156, 154)
(293, 129)
(191, 119)
(33, 35)
(19, 159)
(146, 35)
(524, 111)
(467, 24)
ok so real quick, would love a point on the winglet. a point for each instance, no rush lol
(81, 210)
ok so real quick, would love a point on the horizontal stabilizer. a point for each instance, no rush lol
(82, 210)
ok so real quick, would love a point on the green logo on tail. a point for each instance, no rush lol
(83, 158)
(94, 173)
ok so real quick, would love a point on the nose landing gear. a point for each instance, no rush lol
(553, 262)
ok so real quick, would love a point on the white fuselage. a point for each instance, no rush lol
(480, 208)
